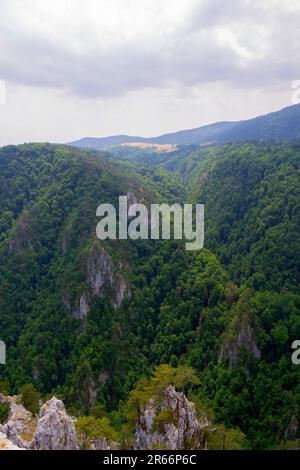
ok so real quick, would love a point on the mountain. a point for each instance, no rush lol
(90, 320)
(105, 142)
(279, 125)
(203, 134)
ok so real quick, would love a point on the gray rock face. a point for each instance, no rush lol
(6, 444)
(102, 274)
(55, 429)
(291, 430)
(122, 291)
(243, 338)
(246, 338)
(99, 269)
(100, 444)
(83, 306)
(21, 425)
(104, 278)
(180, 429)
(103, 444)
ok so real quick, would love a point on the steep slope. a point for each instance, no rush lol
(279, 125)
(251, 193)
(201, 135)
(87, 320)
(53, 269)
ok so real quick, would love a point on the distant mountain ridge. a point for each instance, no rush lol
(278, 125)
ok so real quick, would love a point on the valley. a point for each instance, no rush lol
(89, 320)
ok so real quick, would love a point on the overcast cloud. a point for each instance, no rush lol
(97, 67)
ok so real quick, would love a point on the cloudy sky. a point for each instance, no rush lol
(74, 68)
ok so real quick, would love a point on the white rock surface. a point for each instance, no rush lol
(20, 426)
(6, 444)
(55, 429)
(182, 433)
(101, 273)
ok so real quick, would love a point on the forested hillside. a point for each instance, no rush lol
(89, 320)
(277, 126)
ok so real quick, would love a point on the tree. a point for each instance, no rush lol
(4, 412)
(91, 428)
(4, 387)
(30, 398)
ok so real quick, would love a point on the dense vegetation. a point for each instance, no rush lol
(230, 311)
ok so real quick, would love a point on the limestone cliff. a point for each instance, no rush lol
(52, 430)
(240, 335)
(172, 423)
(104, 278)
(103, 275)
(6, 444)
(55, 429)
(21, 424)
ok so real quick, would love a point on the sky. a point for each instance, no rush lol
(75, 68)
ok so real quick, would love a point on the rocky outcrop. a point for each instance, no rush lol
(243, 337)
(99, 443)
(104, 278)
(99, 269)
(6, 444)
(20, 426)
(292, 429)
(246, 338)
(55, 429)
(83, 307)
(121, 291)
(172, 423)
(103, 444)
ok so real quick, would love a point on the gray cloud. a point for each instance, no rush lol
(239, 42)
(142, 67)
